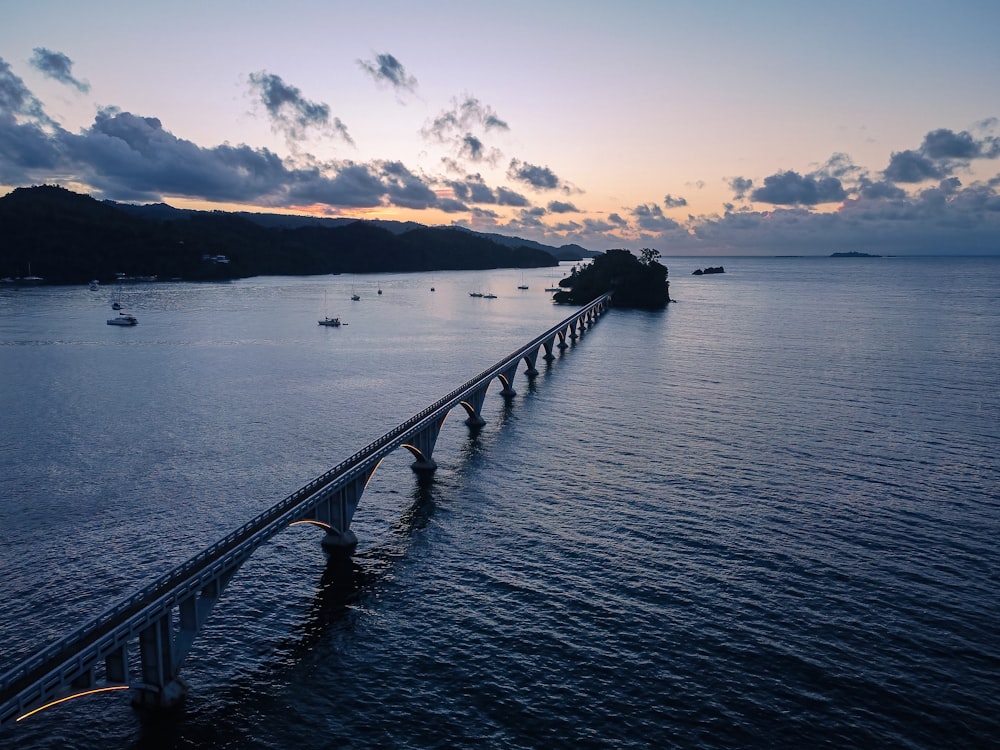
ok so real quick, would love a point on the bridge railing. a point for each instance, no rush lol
(50, 657)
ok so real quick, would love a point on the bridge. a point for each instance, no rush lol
(164, 618)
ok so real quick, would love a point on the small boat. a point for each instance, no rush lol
(328, 321)
(522, 285)
(355, 297)
(488, 295)
(552, 289)
(123, 319)
(95, 285)
(475, 294)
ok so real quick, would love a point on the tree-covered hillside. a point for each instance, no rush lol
(68, 238)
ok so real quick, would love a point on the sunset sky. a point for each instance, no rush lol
(706, 127)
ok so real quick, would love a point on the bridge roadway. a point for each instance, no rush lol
(167, 614)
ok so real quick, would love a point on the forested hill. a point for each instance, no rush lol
(68, 238)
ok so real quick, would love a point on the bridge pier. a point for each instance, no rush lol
(529, 359)
(547, 345)
(422, 446)
(335, 513)
(473, 406)
(160, 686)
(507, 378)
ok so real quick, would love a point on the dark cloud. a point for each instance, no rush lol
(292, 114)
(792, 189)
(540, 178)
(880, 190)
(387, 69)
(840, 166)
(472, 148)
(650, 218)
(57, 66)
(740, 187)
(941, 153)
(561, 207)
(599, 226)
(458, 126)
(507, 197)
(16, 98)
(912, 167)
(674, 202)
(473, 189)
(946, 144)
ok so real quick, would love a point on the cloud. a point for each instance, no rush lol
(561, 207)
(940, 154)
(459, 125)
(671, 202)
(473, 189)
(740, 187)
(912, 167)
(792, 189)
(387, 69)
(292, 114)
(540, 178)
(15, 97)
(650, 218)
(57, 66)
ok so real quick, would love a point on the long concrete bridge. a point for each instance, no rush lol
(164, 618)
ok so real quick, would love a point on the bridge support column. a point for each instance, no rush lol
(547, 345)
(572, 330)
(116, 665)
(335, 513)
(507, 378)
(529, 359)
(161, 687)
(473, 406)
(562, 339)
(422, 446)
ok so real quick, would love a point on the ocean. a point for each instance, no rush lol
(765, 517)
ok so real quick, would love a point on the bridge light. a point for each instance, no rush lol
(72, 697)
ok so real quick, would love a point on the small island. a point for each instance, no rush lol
(633, 282)
(713, 269)
(853, 254)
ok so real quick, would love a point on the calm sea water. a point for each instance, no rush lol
(765, 517)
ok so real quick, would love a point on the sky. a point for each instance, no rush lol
(710, 127)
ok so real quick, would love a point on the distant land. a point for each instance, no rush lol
(853, 254)
(68, 238)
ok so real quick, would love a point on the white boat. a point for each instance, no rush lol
(123, 319)
(552, 289)
(328, 321)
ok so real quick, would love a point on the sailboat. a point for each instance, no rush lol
(327, 320)
(522, 285)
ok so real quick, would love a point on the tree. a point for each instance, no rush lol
(649, 255)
